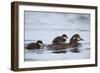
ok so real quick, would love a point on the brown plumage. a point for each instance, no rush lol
(37, 45)
(75, 38)
(60, 39)
(73, 43)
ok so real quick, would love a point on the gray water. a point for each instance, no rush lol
(46, 26)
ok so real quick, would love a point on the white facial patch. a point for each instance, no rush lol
(40, 44)
(78, 39)
(74, 38)
(64, 37)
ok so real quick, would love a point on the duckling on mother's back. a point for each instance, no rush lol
(60, 39)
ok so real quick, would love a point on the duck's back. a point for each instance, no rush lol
(32, 46)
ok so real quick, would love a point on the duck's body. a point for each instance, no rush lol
(37, 45)
(58, 46)
(63, 46)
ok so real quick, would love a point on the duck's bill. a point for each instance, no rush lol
(67, 37)
(81, 39)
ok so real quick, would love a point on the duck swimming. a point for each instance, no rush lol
(37, 45)
(72, 44)
(60, 39)
(74, 39)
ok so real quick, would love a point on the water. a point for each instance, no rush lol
(46, 26)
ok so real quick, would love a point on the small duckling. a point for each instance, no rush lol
(37, 45)
(60, 39)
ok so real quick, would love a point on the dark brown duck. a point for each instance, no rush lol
(37, 45)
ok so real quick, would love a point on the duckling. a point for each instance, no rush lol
(60, 39)
(72, 44)
(37, 45)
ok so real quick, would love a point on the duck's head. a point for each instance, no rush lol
(39, 42)
(77, 37)
(64, 36)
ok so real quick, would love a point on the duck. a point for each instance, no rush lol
(73, 43)
(37, 45)
(60, 39)
(74, 39)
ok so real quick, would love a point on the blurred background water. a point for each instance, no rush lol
(46, 26)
